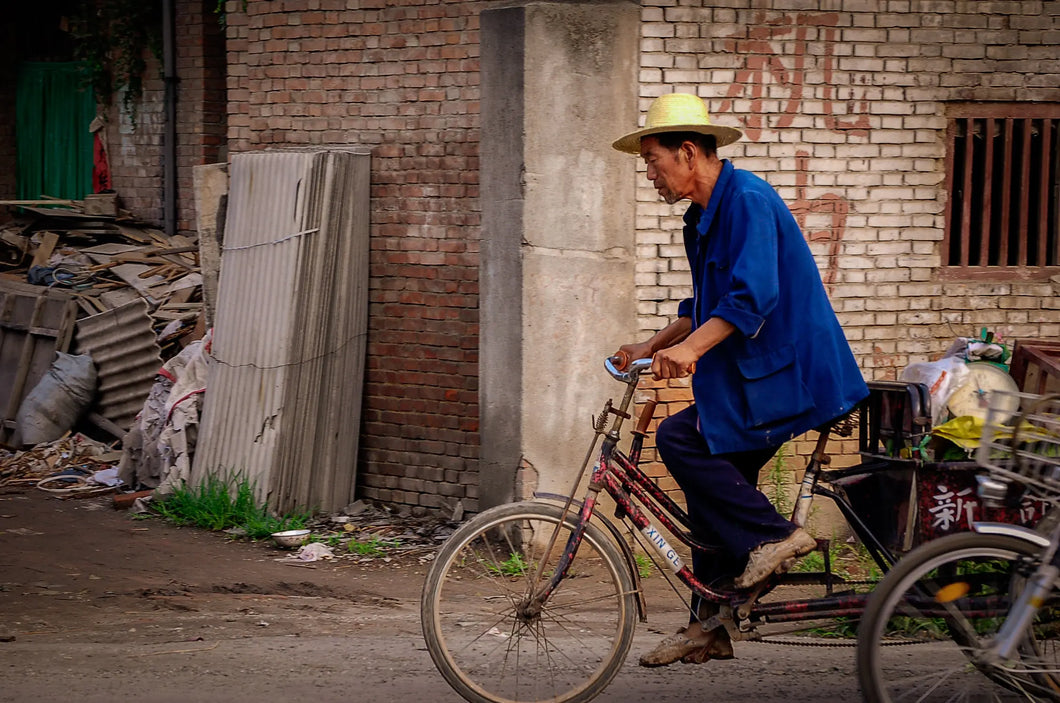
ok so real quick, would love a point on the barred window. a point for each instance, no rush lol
(1002, 179)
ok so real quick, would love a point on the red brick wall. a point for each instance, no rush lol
(401, 77)
(201, 94)
(136, 143)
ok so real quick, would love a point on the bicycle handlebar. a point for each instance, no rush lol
(630, 373)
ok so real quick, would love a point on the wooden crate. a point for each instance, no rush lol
(1035, 365)
(35, 322)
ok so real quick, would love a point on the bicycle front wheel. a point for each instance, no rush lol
(946, 600)
(488, 639)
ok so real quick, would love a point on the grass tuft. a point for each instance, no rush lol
(219, 505)
(514, 565)
(777, 481)
(372, 547)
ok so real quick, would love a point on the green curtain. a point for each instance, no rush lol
(53, 112)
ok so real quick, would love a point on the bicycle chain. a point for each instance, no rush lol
(802, 642)
(810, 642)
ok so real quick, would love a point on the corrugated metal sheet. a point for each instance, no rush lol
(283, 399)
(125, 350)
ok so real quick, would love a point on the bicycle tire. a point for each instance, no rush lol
(491, 652)
(948, 597)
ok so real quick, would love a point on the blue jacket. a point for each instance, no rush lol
(788, 368)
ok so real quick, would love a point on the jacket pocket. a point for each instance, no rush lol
(773, 386)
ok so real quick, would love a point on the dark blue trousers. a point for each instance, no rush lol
(724, 503)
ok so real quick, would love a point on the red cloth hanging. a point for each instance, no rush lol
(100, 168)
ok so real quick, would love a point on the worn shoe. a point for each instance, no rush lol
(765, 559)
(720, 648)
(690, 641)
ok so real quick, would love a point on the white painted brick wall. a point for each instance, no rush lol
(848, 100)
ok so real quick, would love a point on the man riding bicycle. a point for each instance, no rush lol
(767, 357)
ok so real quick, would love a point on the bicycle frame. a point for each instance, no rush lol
(620, 477)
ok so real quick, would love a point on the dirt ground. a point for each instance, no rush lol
(97, 606)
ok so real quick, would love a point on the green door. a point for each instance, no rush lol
(53, 112)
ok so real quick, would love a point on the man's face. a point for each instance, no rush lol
(670, 175)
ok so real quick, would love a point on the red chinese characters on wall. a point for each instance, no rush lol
(775, 62)
(774, 54)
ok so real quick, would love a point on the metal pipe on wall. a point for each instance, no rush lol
(169, 142)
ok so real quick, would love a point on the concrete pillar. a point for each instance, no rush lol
(559, 84)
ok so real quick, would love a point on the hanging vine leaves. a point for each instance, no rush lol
(112, 38)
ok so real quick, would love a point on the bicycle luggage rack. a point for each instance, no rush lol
(895, 420)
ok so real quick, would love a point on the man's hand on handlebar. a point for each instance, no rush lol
(677, 361)
(630, 352)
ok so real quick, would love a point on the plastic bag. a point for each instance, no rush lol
(56, 403)
(942, 378)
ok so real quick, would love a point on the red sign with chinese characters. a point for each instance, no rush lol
(947, 502)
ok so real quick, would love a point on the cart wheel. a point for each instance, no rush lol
(928, 622)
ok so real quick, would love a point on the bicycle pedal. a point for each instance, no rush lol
(744, 609)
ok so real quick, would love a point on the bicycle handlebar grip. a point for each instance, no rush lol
(620, 360)
(645, 416)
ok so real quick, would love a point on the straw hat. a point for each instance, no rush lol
(677, 112)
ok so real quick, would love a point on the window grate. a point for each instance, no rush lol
(1004, 205)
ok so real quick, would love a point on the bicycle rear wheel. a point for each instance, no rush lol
(485, 640)
(950, 597)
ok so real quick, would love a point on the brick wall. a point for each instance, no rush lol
(8, 147)
(201, 95)
(844, 112)
(400, 77)
(135, 141)
(134, 148)
(9, 57)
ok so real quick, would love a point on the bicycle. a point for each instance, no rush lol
(982, 606)
(537, 600)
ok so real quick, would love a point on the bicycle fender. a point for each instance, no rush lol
(1002, 528)
(627, 551)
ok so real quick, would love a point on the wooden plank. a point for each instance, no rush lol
(1025, 189)
(105, 425)
(996, 273)
(21, 203)
(1006, 195)
(180, 296)
(25, 357)
(64, 214)
(1036, 364)
(211, 209)
(134, 233)
(1043, 194)
(948, 234)
(966, 201)
(130, 273)
(84, 303)
(988, 193)
(45, 249)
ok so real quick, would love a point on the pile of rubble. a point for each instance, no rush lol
(74, 456)
(105, 261)
(376, 534)
(83, 277)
